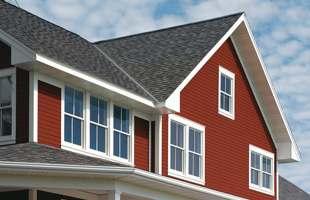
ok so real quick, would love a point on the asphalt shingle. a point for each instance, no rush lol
(289, 191)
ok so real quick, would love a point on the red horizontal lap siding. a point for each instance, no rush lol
(227, 141)
(22, 105)
(49, 114)
(141, 144)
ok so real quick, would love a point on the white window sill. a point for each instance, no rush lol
(93, 153)
(261, 189)
(226, 114)
(190, 178)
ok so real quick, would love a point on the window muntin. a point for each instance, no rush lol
(226, 93)
(6, 106)
(177, 146)
(194, 152)
(121, 134)
(261, 170)
(98, 124)
(74, 117)
(186, 152)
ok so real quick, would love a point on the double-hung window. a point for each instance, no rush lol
(74, 116)
(98, 124)
(226, 93)
(121, 133)
(6, 106)
(261, 170)
(186, 149)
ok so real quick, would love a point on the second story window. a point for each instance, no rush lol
(98, 124)
(186, 149)
(74, 116)
(5, 106)
(226, 93)
(261, 170)
(121, 134)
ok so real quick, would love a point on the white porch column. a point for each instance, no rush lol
(32, 194)
(114, 195)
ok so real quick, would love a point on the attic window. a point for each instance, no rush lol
(226, 96)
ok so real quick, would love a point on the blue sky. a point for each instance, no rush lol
(281, 29)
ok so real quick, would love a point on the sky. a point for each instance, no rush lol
(281, 29)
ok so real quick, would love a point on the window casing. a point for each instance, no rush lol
(7, 106)
(261, 170)
(95, 126)
(74, 116)
(226, 96)
(186, 149)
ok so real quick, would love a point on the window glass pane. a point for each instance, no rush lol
(117, 117)
(191, 163)
(103, 112)
(191, 139)
(116, 143)
(93, 137)
(196, 165)
(6, 121)
(93, 109)
(180, 135)
(124, 146)
(172, 157)
(69, 94)
(125, 120)
(198, 141)
(254, 177)
(227, 102)
(222, 82)
(266, 181)
(77, 129)
(78, 103)
(101, 139)
(266, 164)
(228, 85)
(68, 128)
(5, 91)
(222, 101)
(255, 160)
(173, 135)
(179, 160)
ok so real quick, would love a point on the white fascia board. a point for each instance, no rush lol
(173, 101)
(295, 153)
(91, 79)
(102, 171)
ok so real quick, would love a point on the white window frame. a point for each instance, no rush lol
(270, 155)
(83, 133)
(185, 174)
(231, 75)
(10, 139)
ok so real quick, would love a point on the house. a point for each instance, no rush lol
(186, 112)
(288, 190)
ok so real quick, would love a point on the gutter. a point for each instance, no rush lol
(119, 173)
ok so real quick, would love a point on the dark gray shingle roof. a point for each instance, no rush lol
(289, 191)
(38, 153)
(61, 45)
(160, 60)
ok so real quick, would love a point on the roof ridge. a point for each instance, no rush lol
(168, 28)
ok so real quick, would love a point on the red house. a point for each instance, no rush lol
(186, 112)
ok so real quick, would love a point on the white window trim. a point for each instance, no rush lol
(10, 139)
(268, 154)
(185, 175)
(84, 148)
(231, 75)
